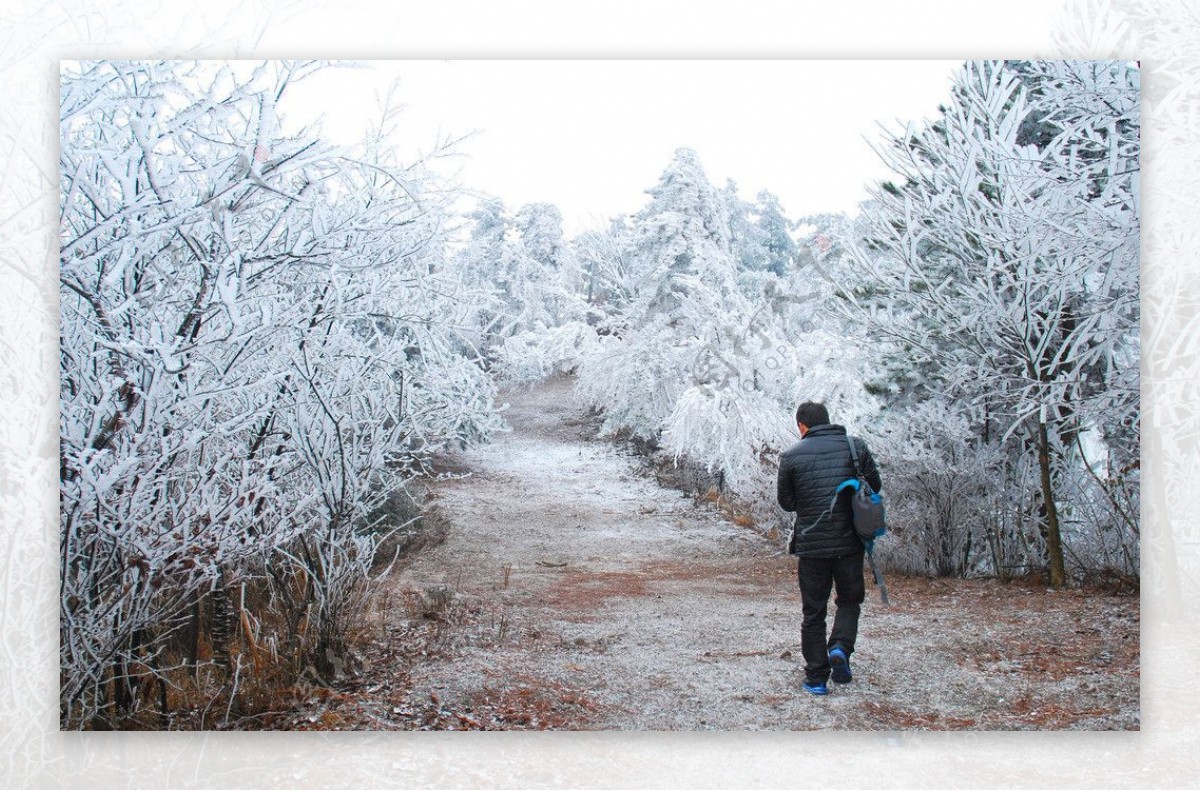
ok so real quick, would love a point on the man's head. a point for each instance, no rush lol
(811, 414)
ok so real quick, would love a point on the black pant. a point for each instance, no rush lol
(817, 577)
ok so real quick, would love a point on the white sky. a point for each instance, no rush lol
(592, 136)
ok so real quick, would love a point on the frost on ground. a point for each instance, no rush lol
(572, 592)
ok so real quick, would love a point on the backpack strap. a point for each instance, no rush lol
(854, 456)
(883, 592)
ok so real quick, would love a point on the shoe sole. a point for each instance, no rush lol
(841, 669)
(818, 692)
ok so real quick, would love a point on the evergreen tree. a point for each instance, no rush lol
(774, 232)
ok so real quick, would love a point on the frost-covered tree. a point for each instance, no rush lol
(776, 232)
(605, 267)
(534, 322)
(747, 243)
(762, 233)
(550, 271)
(539, 228)
(526, 264)
(681, 273)
(704, 353)
(259, 343)
(1006, 260)
(486, 263)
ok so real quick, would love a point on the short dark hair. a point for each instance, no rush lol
(811, 414)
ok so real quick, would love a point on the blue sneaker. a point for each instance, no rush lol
(840, 663)
(817, 688)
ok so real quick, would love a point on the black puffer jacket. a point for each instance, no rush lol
(809, 472)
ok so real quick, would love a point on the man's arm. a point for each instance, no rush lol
(784, 493)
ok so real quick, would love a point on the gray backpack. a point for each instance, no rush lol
(866, 506)
(865, 503)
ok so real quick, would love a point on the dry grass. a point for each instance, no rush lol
(529, 703)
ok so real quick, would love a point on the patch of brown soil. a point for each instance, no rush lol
(748, 571)
(579, 589)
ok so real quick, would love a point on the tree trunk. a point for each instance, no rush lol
(222, 626)
(1058, 571)
(193, 636)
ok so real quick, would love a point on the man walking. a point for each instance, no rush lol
(830, 553)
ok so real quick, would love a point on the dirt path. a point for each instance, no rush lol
(572, 592)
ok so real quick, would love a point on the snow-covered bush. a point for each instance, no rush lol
(940, 485)
(533, 356)
(728, 432)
